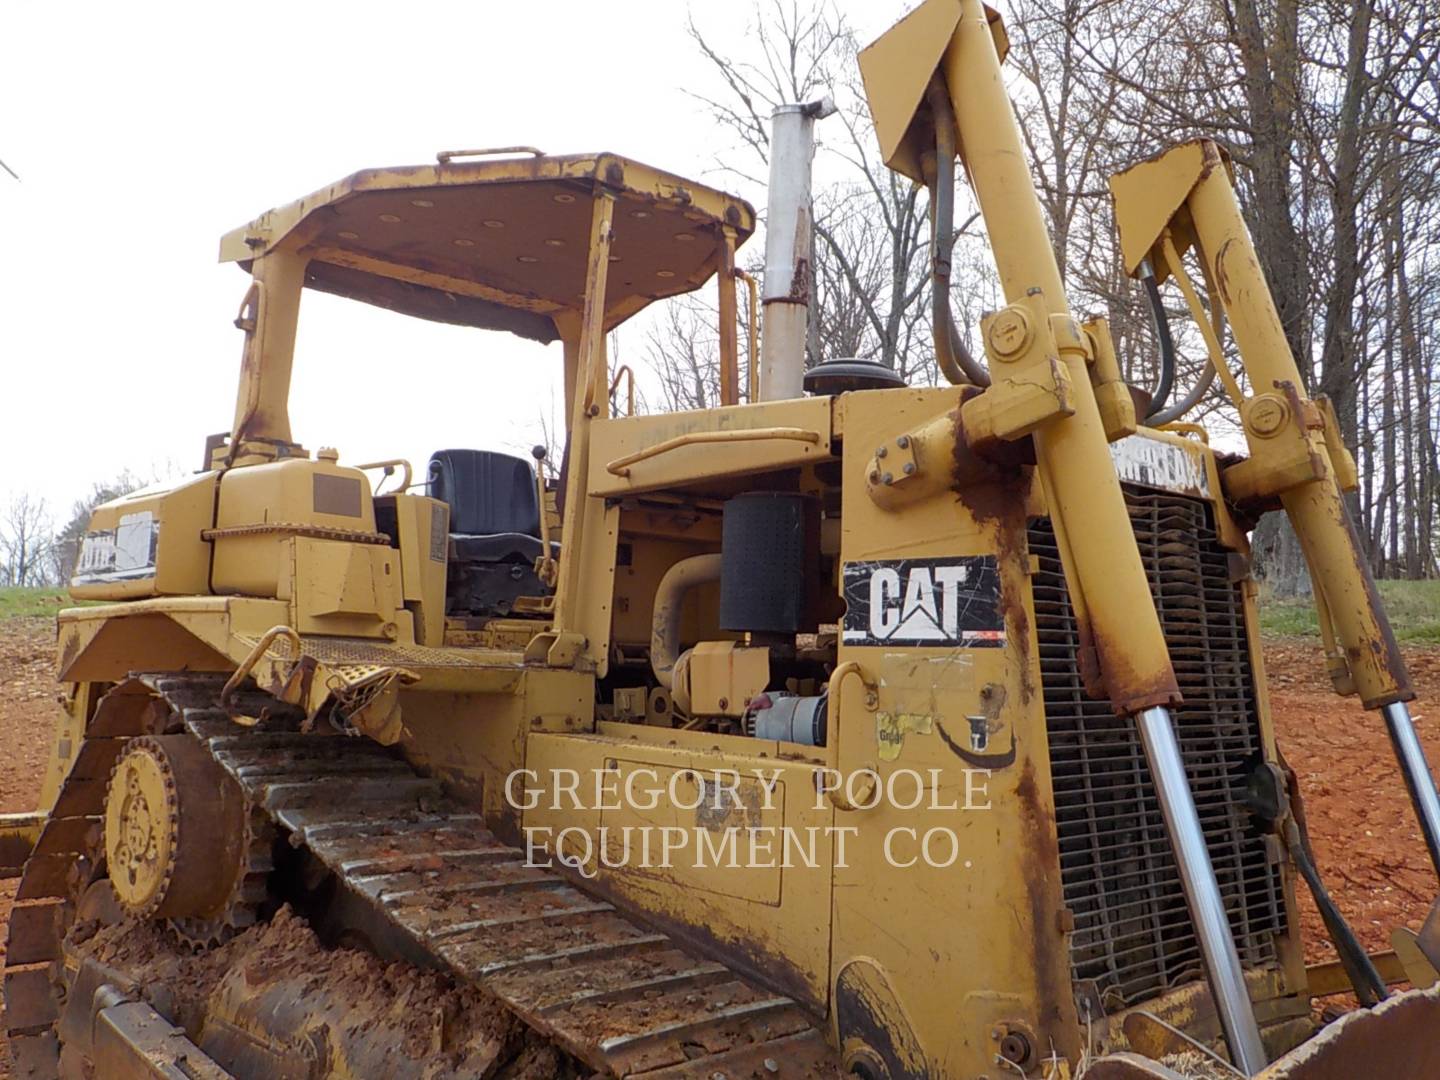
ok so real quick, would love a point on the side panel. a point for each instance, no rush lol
(948, 929)
(708, 456)
(423, 526)
(473, 742)
(728, 844)
(256, 499)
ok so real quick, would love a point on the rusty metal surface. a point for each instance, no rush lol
(1156, 1039)
(1396, 1040)
(332, 650)
(124, 1038)
(624, 999)
(1130, 1067)
(1132, 933)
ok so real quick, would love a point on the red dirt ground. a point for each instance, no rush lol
(1366, 839)
(1364, 833)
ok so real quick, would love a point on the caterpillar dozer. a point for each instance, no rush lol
(856, 729)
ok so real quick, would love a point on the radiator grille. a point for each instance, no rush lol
(1132, 931)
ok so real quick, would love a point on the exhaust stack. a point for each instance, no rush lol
(789, 249)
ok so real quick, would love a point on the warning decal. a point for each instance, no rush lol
(951, 601)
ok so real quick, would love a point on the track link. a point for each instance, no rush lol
(619, 996)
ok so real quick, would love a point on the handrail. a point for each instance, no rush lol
(389, 466)
(621, 466)
(1179, 427)
(444, 157)
(546, 568)
(624, 369)
(248, 664)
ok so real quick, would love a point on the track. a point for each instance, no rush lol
(624, 999)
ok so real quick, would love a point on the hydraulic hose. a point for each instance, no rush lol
(1369, 986)
(953, 357)
(1189, 401)
(1162, 334)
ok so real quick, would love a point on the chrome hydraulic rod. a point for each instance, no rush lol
(1418, 777)
(1202, 892)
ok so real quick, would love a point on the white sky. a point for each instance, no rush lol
(141, 133)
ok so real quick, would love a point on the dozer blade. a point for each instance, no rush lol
(1395, 1040)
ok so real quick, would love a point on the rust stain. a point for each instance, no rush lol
(994, 487)
(1089, 661)
(1209, 156)
(1128, 690)
(1222, 279)
(69, 652)
(1039, 862)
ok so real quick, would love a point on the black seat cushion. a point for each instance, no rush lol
(495, 547)
(488, 493)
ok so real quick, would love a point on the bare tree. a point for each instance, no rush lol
(1330, 111)
(26, 542)
(683, 349)
(871, 224)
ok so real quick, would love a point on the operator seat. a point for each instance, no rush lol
(494, 529)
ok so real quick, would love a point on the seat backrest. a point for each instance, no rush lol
(487, 492)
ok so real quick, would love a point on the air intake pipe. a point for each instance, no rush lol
(669, 604)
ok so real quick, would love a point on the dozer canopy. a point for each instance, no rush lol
(500, 243)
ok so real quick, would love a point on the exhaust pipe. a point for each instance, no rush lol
(789, 249)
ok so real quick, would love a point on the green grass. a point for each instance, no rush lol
(16, 602)
(1413, 606)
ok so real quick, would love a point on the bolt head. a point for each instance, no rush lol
(1266, 415)
(1009, 332)
(909, 467)
(880, 452)
(1015, 1047)
(903, 442)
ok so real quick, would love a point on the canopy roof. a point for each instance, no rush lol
(500, 244)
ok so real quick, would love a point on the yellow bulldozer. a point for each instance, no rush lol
(857, 729)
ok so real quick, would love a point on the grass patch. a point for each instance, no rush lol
(1413, 607)
(17, 602)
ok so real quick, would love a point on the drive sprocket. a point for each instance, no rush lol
(180, 843)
